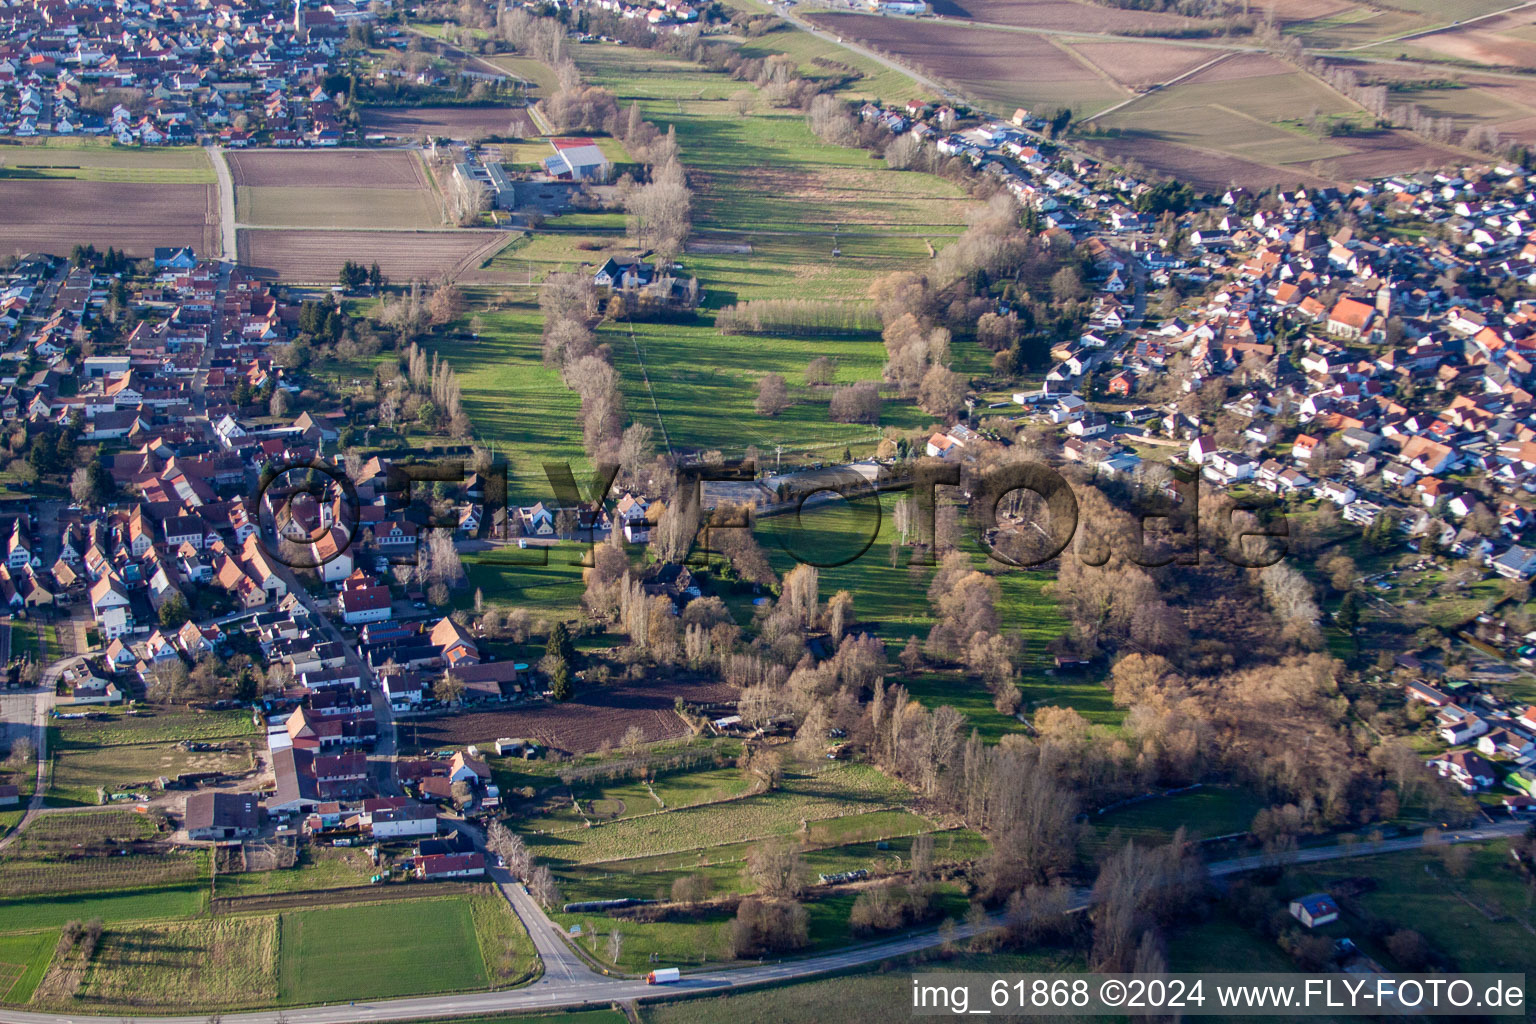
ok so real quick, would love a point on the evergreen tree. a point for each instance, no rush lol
(560, 681)
(1348, 615)
(559, 644)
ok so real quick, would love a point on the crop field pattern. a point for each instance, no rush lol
(84, 162)
(1002, 69)
(1061, 15)
(335, 954)
(210, 963)
(333, 189)
(54, 214)
(92, 850)
(410, 122)
(335, 168)
(316, 256)
(304, 213)
(1233, 117)
(597, 715)
(805, 797)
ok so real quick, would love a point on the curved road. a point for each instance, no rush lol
(567, 980)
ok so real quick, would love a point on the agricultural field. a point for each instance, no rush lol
(334, 954)
(1504, 41)
(299, 207)
(301, 956)
(452, 122)
(967, 695)
(860, 77)
(33, 913)
(24, 959)
(811, 185)
(81, 852)
(327, 168)
(316, 256)
(854, 555)
(598, 715)
(82, 161)
(1506, 104)
(1002, 70)
(54, 214)
(378, 188)
(235, 957)
(1062, 15)
(1250, 108)
(807, 795)
(888, 849)
(602, 802)
(1139, 65)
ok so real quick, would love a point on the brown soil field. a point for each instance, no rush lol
(1389, 152)
(454, 122)
(317, 256)
(1200, 168)
(405, 208)
(1516, 103)
(322, 168)
(1067, 15)
(1239, 67)
(597, 714)
(1485, 42)
(1307, 10)
(1003, 69)
(1139, 64)
(51, 215)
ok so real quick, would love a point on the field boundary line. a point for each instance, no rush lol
(1064, 47)
(1163, 85)
(649, 390)
(1435, 30)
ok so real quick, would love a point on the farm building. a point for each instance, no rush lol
(1315, 910)
(223, 815)
(578, 160)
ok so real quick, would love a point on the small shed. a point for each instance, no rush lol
(1315, 910)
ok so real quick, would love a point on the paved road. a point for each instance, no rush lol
(227, 240)
(1442, 28)
(567, 981)
(33, 708)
